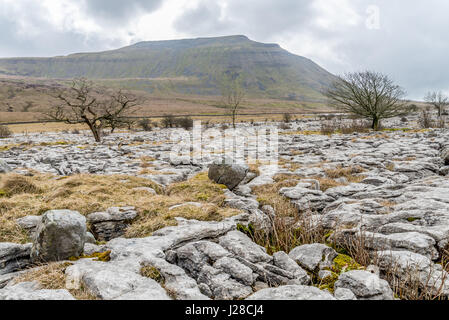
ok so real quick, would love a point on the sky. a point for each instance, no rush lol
(406, 39)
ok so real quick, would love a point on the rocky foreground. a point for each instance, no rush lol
(391, 205)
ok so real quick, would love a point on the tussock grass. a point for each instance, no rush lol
(289, 228)
(87, 193)
(16, 184)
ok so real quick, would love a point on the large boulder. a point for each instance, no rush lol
(61, 234)
(227, 173)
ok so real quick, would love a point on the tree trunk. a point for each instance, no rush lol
(94, 129)
(375, 125)
(97, 134)
(233, 118)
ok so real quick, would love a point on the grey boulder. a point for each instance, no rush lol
(227, 173)
(60, 235)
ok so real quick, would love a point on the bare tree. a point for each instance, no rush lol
(98, 109)
(369, 95)
(438, 100)
(117, 109)
(232, 94)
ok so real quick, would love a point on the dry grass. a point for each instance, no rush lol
(91, 193)
(147, 170)
(17, 184)
(327, 183)
(346, 172)
(45, 127)
(51, 276)
(289, 228)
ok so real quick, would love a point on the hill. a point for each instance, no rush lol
(191, 66)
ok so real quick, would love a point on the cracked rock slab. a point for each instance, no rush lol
(291, 292)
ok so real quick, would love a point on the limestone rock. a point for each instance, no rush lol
(224, 172)
(365, 285)
(313, 256)
(4, 167)
(112, 223)
(14, 257)
(291, 292)
(240, 245)
(60, 235)
(32, 291)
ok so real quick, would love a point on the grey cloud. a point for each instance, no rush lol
(255, 18)
(115, 11)
(43, 39)
(410, 45)
(203, 20)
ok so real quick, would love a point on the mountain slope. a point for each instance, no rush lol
(188, 66)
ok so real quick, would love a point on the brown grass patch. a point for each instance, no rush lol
(91, 193)
(51, 276)
(16, 184)
(352, 173)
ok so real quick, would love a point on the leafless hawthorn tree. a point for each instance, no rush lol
(84, 103)
(369, 95)
(232, 94)
(438, 100)
(118, 108)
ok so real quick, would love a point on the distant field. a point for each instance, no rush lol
(212, 119)
(24, 100)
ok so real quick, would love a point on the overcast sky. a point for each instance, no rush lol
(407, 39)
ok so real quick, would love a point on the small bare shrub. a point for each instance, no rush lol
(145, 124)
(287, 117)
(284, 126)
(329, 127)
(184, 122)
(5, 132)
(168, 121)
(426, 120)
(17, 184)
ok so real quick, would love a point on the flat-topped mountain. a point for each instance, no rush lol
(188, 66)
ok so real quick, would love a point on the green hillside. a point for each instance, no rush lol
(187, 66)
